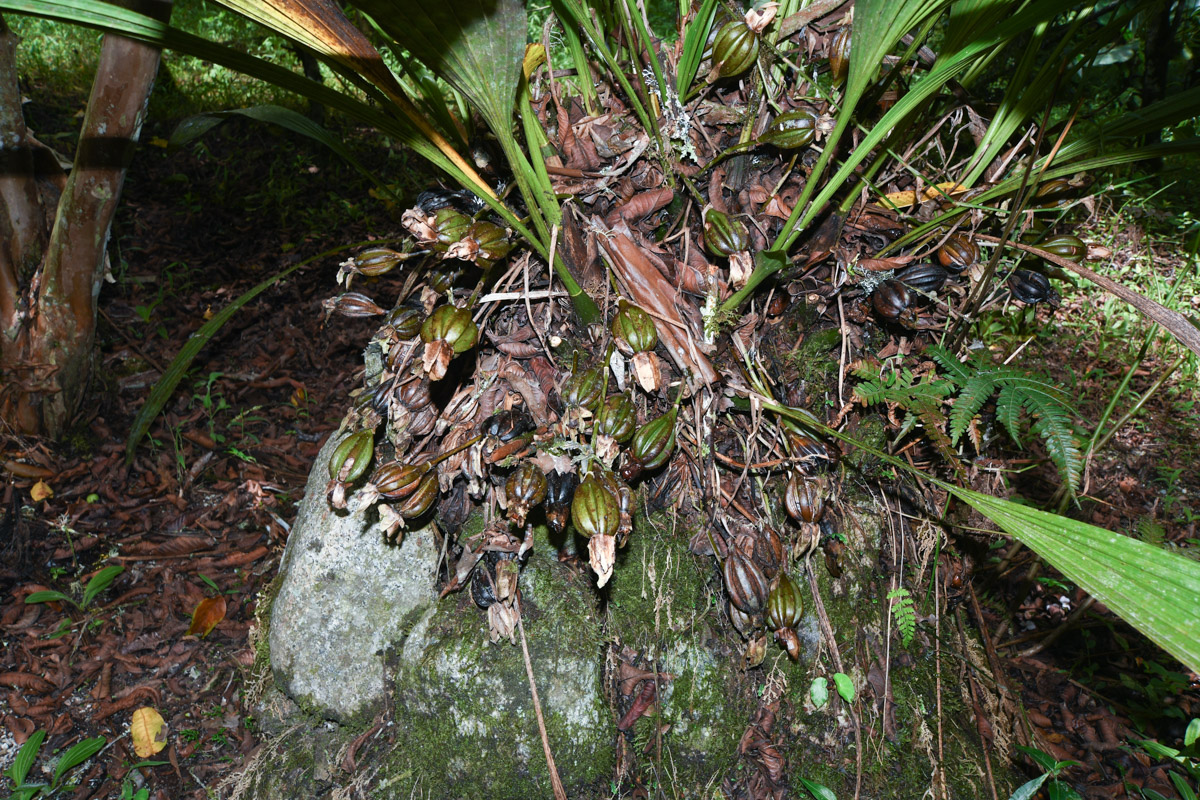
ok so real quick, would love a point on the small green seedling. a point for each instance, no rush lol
(1055, 789)
(1185, 786)
(845, 686)
(818, 790)
(99, 582)
(127, 791)
(819, 692)
(19, 771)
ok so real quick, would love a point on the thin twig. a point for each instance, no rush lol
(555, 781)
(1066, 625)
(129, 340)
(937, 669)
(979, 709)
(827, 631)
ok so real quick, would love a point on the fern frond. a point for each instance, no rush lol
(1054, 426)
(932, 391)
(976, 390)
(905, 614)
(955, 370)
(866, 369)
(976, 381)
(933, 421)
(1008, 411)
(1036, 385)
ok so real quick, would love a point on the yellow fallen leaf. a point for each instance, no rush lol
(907, 198)
(158, 141)
(41, 491)
(208, 613)
(147, 731)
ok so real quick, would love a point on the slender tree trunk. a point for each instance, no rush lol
(21, 226)
(49, 317)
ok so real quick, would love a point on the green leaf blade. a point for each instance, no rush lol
(1028, 790)
(474, 45)
(48, 596)
(844, 685)
(818, 790)
(819, 692)
(99, 582)
(1152, 589)
(78, 754)
(25, 757)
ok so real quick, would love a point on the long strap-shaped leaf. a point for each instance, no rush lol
(771, 261)
(194, 127)
(321, 26)
(110, 18)
(179, 366)
(1152, 589)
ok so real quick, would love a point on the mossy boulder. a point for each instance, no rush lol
(391, 692)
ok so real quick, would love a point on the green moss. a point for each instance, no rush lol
(465, 721)
(871, 433)
(262, 619)
(810, 364)
(463, 724)
(661, 605)
(821, 742)
(292, 766)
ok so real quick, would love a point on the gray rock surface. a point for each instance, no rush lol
(343, 598)
(465, 716)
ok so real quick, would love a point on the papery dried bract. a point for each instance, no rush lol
(436, 359)
(790, 641)
(759, 17)
(602, 555)
(648, 371)
(756, 651)
(502, 623)
(508, 574)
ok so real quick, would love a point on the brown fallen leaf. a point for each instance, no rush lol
(209, 612)
(146, 729)
(22, 470)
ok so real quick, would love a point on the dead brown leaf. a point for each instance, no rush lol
(208, 614)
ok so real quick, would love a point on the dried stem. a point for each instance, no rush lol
(555, 781)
